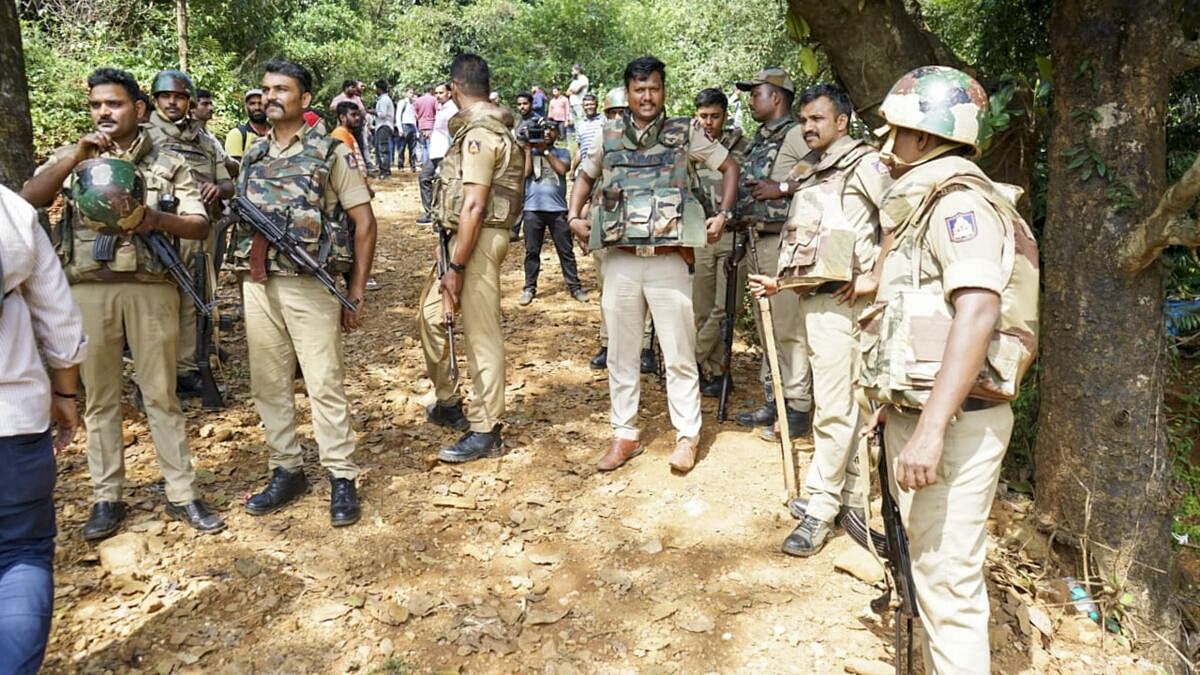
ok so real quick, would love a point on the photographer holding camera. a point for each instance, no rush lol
(546, 204)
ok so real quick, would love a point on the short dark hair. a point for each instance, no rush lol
(471, 74)
(643, 67)
(525, 95)
(290, 69)
(203, 93)
(381, 85)
(589, 97)
(121, 78)
(711, 96)
(346, 84)
(345, 108)
(837, 95)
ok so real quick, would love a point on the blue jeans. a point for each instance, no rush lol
(27, 472)
(383, 150)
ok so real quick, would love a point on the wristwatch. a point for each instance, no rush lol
(784, 188)
(456, 267)
(728, 213)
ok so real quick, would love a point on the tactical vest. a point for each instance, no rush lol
(508, 188)
(201, 162)
(644, 197)
(817, 243)
(761, 155)
(292, 191)
(707, 186)
(133, 259)
(904, 339)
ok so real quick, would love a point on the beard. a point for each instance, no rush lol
(258, 117)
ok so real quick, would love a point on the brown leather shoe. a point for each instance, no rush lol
(621, 451)
(684, 457)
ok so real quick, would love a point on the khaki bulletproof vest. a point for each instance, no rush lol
(508, 186)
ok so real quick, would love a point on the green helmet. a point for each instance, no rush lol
(173, 80)
(938, 100)
(109, 195)
(615, 98)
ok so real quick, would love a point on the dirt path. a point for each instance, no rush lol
(527, 563)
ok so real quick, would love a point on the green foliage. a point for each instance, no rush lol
(1183, 430)
(1018, 462)
(393, 666)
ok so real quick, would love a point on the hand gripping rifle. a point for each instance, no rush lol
(286, 244)
(443, 264)
(732, 292)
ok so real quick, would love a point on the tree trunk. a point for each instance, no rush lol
(181, 28)
(1103, 465)
(16, 152)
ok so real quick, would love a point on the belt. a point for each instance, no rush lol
(647, 251)
(971, 404)
(828, 287)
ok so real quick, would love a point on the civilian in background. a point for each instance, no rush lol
(406, 130)
(546, 209)
(439, 144)
(385, 128)
(426, 107)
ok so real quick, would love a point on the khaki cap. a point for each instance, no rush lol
(775, 76)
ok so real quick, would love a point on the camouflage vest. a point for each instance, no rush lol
(133, 260)
(758, 165)
(707, 187)
(292, 191)
(189, 144)
(817, 243)
(904, 339)
(508, 187)
(644, 196)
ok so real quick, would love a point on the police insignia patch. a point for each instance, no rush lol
(473, 147)
(881, 168)
(352, 160)
(962, 226)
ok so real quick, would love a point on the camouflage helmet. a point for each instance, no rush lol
(173, 80)
(615, 98)
(109, 195)
(938, 100)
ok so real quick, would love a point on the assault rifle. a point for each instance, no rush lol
(892, 546)
(732, 292)
(210, 392)
(286, 244)
(443, 264)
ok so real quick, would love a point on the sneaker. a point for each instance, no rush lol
(372, 285)
(526, 297)
(579, 294)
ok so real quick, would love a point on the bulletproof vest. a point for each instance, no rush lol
(508, 187)
(132, 259)
(817, 243)
(644, 197)
(188, 143)
(759, 163)
(292, 191)
(904, 339)
(707, 184)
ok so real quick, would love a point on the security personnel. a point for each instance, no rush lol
(646, 216)
(710, 276)
(172, 128)
(957, 302)
(124, 291)
(307, 178)
(478, 196)
(775, 152)
(829, 246)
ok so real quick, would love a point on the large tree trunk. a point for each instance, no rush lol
(1103, 466)
(16, 152)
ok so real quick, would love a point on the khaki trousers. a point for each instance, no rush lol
(292, 319)
(484, 338)
(947, 534)
(598, 261)
(662, 283)
(833, 475)
(185, 359)
(146, 315)
(708, 300)
(790, 341)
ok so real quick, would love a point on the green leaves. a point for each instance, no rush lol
(808, 61)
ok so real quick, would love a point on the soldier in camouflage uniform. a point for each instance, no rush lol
(171, 128)
(479, 194)
(960, 262)
(125, 294)
(646, 216)
(306, 179)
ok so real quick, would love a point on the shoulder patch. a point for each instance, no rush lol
(352, 160)
(962, 227)
(473, 147)
(880, 167)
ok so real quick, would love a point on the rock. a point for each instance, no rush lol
(537, 616)
(330, 610)
(545, 554)
(419, 604)
(859, 563)
(694, 622)
(863, 666)
(1078, 628)
(207, 430)
(128, 438)
(122, 555)
(247, 567)
(653, 546)
(455, 502)
(619, 578)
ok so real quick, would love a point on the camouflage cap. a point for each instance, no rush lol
(938, 100)
(773, 75)
(109, 195)
(172, 80)
(615, 98)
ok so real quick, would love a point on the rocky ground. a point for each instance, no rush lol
(531, 562)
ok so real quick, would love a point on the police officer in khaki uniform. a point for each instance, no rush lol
(290, 317)
(479, 194)
(952, 332)
(125, 295)
(650, 221)
(829, 246)
(775, 152)
(171, 128)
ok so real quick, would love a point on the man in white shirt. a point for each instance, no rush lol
(575, 93)
(385, 128)
(439, 144)
(406, 130)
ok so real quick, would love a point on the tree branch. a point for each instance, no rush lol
(1187, 56)
(1169, 225)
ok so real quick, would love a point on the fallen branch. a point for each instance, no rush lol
(1169, 225)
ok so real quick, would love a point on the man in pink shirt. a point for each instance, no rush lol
(425, 107)
(560, 107)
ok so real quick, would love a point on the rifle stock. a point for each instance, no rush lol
(443, 261)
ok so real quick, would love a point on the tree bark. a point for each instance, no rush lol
(16, 128)
(1103, 467)
(181, 29)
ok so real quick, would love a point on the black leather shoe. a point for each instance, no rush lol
(798, 506)
(473, 445)
(710, 386)
(808, 538)
(343, 502)
(283, 488)
(764, 416)
(104, 520)
(600, 360)
(449, 415)
(649, 365)
(189, 384)
(799, 423)
(197, 515)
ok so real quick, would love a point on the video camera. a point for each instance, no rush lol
(533, 130)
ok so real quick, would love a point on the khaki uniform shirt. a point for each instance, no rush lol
(791, 153)
(345, 185)
(701, 150)
(483, 153)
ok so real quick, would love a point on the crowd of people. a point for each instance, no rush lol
(899, 274)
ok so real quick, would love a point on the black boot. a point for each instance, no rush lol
(808, 538)
(711, 386)
(600, 360)
(449, 415)
(343, 502)
(473, 445)
(197, 515)
(799, 423)
(104, 520)
(284, 488)
(649, 365)
(764, 416)
(189, 384)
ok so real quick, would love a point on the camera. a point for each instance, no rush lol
(533, 131)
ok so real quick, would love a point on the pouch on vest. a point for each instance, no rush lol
(816, 246)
